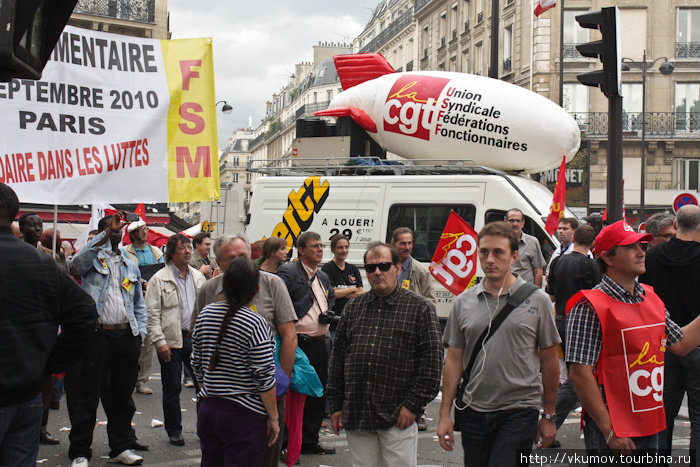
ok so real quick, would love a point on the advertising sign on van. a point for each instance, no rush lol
(454, 261)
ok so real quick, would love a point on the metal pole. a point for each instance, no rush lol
(561, 57)
(495, 12)
(55, 225)
(614, 195)
(644, 134)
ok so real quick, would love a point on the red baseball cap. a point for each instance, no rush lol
(619, 233)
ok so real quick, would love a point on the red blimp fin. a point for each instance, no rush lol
(354, 69)
(358, 116)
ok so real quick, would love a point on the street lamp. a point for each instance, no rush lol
(666, 68)
(225, 108)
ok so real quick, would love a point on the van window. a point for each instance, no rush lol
(427, 222)
(531, 228)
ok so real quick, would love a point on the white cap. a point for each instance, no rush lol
(135, 225)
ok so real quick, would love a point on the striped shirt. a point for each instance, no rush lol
(584, 333)
(246, 365)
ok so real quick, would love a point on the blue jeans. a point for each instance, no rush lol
(496, 439)
(567, 400)
(681, 375)
(19, 432)
(171, 374)
(595, 441)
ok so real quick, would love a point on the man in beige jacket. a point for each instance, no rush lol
(170, 298)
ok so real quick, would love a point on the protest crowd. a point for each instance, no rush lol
(274, 345)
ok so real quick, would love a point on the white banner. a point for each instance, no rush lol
(113, 119)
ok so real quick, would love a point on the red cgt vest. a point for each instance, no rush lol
(631, 362)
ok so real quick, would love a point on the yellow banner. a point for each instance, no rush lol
(193, 160)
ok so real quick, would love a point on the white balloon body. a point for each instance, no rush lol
(444, 115)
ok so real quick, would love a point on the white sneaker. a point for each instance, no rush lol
(127, 457)
(79, 462)
(143, 389)
(189, 383)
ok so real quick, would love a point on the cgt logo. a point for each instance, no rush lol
(411, 106)
(301, 206)
(645, 368)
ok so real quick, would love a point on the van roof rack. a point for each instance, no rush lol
(367, 166)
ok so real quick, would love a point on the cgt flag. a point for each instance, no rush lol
(558, 201)
(454, 261)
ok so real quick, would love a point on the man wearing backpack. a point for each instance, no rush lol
(497, 411)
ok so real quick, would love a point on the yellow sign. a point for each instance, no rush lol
(193, 163)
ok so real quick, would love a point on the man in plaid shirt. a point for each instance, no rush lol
(385, 366)
(617, 334)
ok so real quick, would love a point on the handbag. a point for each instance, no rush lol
(513, 301)
(304, 379)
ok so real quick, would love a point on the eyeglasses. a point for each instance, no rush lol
(384, 267)
(515, 221)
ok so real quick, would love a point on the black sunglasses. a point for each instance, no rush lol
(384, 267)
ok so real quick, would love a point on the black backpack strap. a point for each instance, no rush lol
(513, 301)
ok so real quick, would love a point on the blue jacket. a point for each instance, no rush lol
(299, 287)
(91, 261)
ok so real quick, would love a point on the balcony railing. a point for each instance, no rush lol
(507, 65)
(389, 33)
(687, 49)
(142, 11)
(571, 52)
(311, 108)
(658, 124)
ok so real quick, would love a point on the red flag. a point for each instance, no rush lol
(558, 201)
(544, 5)
(454, 261)
(141, 211)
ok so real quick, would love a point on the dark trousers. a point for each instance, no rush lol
(171, 374)
(229, 434)
(317, 352)
(567, 400)
(496, 439)
(108, 371)
(19, 433)
(596, 445)
(46, 395)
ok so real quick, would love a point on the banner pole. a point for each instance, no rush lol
(55, 225)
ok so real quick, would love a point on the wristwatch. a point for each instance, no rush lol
(552, 417)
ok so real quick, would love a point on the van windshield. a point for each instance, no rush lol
(427, 222)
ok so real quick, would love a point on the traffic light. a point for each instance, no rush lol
(609, 78)
(29, 33)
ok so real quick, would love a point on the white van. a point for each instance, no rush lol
(367, 208)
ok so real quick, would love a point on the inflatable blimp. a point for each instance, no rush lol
(445, 115)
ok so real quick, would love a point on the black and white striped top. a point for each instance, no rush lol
(246, 356)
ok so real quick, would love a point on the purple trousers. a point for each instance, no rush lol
(229, 434)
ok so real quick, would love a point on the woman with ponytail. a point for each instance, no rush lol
(233, 359)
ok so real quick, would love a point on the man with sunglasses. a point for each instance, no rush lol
(385, 367)
(671, 267)
(617, 337)
(312, 296)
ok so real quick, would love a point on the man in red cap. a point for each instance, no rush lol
(617, 334)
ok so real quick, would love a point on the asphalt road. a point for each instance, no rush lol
(161, 453)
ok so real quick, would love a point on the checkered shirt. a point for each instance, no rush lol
(387, 354)
(584, 334)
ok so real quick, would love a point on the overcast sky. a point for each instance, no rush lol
(257, 44)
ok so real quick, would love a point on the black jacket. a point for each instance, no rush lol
(299, 287)
(36, 298)
(673, 269)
